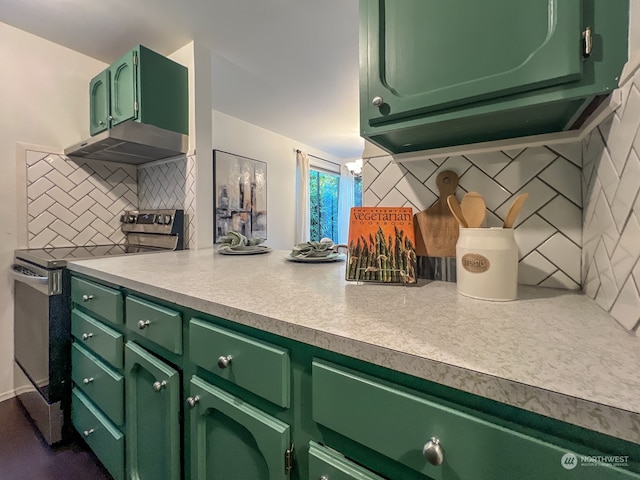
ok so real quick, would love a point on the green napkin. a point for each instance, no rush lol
(237, 241)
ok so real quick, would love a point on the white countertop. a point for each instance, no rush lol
(552, 352)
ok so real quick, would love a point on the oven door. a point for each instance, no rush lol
(41, 327)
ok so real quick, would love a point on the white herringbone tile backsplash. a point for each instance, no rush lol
(162, 185)
(190, 202)
(75, 202)
(548, 230)
(170, 185)
(611, 224)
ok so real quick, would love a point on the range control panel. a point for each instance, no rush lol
(167, 222)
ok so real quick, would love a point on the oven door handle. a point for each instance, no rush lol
(49, 285)
(29, 279)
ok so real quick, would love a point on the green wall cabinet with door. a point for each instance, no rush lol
(436, 74)
(142, 86)
(214, 399)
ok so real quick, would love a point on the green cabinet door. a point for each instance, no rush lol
(427, 55)
(233, 440)
(124, 77)
(99, 103)
(152, 416)
(445, 73)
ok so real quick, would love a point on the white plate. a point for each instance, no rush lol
(333, 257)
(247, 250)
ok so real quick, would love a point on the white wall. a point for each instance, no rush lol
(43, 101)
(242, 138)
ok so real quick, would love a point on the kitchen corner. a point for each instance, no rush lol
(552, 352)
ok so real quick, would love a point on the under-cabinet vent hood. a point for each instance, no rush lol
(133, 143)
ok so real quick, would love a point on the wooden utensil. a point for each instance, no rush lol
(436, 228)
(473, 209)
(454, 206)
(514, 210)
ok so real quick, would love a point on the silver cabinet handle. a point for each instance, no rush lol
(224, 361)
(86, 298)
(377, 101)
(142, 324)
(193, 401)
(87, 381)
(87, 336)
(88, 432)
(324, 477)
(433, 452)
(157, 386)
(587, 38)
(100, 122)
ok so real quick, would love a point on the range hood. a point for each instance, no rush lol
(133, 143)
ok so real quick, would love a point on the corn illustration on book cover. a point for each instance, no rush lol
(381, 245)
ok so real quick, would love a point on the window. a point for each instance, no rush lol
(357, 190)
(323, 197)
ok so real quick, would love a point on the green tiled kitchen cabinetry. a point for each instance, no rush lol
(143, 86)
(436, 74)
(314, 414)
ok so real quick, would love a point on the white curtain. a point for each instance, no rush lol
(303, 226)
(345, 202)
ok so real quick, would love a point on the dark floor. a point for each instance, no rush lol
(24, 455)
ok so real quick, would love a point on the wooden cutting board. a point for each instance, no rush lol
(436, 228)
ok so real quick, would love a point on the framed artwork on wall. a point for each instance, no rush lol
(240, 196)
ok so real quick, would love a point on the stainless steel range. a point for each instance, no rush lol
(42, 319)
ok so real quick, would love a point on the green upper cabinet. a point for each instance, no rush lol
(124, 98)
(143, 86)
(99, 102)
(437, 74)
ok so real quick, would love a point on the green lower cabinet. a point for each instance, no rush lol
(440, 442)
(103, 385)
(326, 464)
(104, 439)
(152, 416)
(231, 439)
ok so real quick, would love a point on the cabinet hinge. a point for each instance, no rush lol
(587, 42)
(135, 106)
(288, 460)
(135, 59)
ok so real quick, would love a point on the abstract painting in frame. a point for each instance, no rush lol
(240, 196)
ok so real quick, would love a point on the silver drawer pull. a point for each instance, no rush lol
(86, 298)
(224, 361)
(193, 401)
(88, 432)
(157, 386)
(433, 452)
(87, 336)
(142, 324)
(324, 477)
(87, 381)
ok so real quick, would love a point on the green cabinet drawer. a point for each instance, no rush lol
(231, 439)
(328, 464)
(103, 385)
(106, 441)
(103, 301)
(256, 366)
(102, 340)
(400, 425)
(158, 324)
